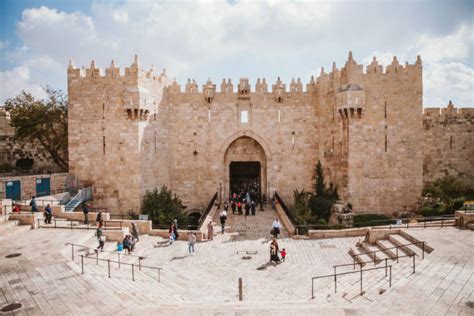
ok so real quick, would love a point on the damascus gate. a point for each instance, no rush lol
(131, 130)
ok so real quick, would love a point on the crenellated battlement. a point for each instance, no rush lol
(132, 72)
(449, 112)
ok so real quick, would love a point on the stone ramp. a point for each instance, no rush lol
(252, 227)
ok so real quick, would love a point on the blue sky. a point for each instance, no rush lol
(232, 39)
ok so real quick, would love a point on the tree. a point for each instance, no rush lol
(42, 121)
(319, 186)
(163, 207)
(443, 195)
(323, 199)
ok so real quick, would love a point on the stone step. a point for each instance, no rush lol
(9, 223)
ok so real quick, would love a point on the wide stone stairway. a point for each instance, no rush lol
(250, 227)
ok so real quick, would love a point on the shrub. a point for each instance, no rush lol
(362, 220)
(163, 207)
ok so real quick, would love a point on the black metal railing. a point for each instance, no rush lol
(140, 266)
(388, 271)
(206, 211)
(287, 211)
(421, 222)
(80, 224)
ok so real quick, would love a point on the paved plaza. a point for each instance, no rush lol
(46, 281)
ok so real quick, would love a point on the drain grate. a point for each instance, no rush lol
(246, 257)
(13, 255)
(261, 268)
(470, 304)
(11, 307)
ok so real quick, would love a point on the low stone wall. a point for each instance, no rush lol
(115, 235)
(342, 233)
(144, 227)
(58, 211)
(26, 219)
(6, 206)
(463, 218)
(183, 234)
(377, 234)
(285, 220)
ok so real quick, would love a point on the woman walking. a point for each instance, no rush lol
(274, 251)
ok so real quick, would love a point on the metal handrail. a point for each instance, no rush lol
(286, 210)
(206, 211)
(361, 271)
(82, 246)
(119, 264)
(421, 222)
(89, 225)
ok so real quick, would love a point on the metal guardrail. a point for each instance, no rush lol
(119, 265)
(89, 225)
(87, 247)
(421, 222)
(361, 271)
(287, 211)
(206, 211)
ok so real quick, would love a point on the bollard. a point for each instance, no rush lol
(72, 248)
(118, 255)
(397, 253)
(240, 290)
(385, 267)
(133, 272)
(390, 279)
(108, 266)
(312, 288)
(423, 251)
(82, 264)
(413, 263)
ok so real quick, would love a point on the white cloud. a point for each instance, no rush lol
(12, 82)
(245, 38)
(444, 82)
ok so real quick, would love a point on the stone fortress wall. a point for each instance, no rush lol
(135, 131)
(448, 144)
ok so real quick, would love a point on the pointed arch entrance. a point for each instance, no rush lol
(245, 166)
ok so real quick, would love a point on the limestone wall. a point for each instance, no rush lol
(134, 131)
(448, 144)
(58, 183)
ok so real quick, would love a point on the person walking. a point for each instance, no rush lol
(253, 207)
(99, 217)
(239, 207)
(233, 206)
(247, 208)
(34, 208)
(274, 251)
(85, 210)
(223, 218)
(135, 233)
(191, 242)
(173, 233)
(276, 228)
(100, 238)
(210, 231)
(47, 214)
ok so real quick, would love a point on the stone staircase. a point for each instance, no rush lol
(250, 227)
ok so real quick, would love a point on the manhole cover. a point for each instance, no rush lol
(246, 257)
(261, 268)
(470, 304)
(11, 307)
(13, 255)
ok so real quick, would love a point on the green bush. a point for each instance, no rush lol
(163, 207)
(362, 220)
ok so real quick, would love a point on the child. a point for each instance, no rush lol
(283, 254)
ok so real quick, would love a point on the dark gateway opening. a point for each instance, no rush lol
(245, 177)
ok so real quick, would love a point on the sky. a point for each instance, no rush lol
(235, 38)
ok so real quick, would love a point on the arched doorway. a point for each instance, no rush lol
(245, 167)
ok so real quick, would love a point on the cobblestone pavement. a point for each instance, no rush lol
(46, 281)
